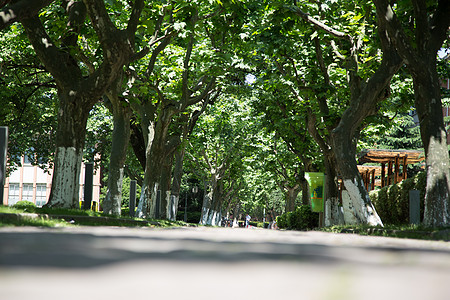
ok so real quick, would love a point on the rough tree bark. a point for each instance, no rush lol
(119, 145)
(176, 183)
(212, 202)
(15, 11)
(166, 180)
(419, 53)
(156, 154)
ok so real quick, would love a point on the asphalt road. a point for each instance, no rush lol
(217, 263)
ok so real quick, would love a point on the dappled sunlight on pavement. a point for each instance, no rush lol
(217, 263)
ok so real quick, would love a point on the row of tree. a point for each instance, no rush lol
(232, 90)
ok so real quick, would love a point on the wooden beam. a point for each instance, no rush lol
(405, 168)
(389, 174)
(366, 176)
(397, 169)
(373, 180)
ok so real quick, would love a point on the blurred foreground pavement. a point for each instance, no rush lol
(217, 263)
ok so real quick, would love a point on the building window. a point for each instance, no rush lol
(13, 196)
(41, 194)
(27, 159)
(27, 192)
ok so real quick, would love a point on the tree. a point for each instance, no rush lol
(292, 150)
(120, 137)
(418, 47)
(364, 96)
(177, 81)
(80, 83)
(219, 147)
(314, 62)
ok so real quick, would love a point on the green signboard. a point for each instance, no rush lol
(316, 183)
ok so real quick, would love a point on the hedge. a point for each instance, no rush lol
(392, 202)
(300, 219)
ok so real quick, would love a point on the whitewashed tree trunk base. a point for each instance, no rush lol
(349, 212)
(172, 206)
(142, 206)
(65, 182)
(332, 212)
(365, 212)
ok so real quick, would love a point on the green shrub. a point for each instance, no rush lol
(124, 211)
(303, 218)
(300, 219)
(420, 181)
(24, 204)
(192, 216)
(282, 221)
(393, 198)
(392, 202)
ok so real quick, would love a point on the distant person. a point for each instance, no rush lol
(247, 220)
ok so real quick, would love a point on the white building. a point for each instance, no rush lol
(31, 183)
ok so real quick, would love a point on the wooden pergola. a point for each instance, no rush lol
(393, 165)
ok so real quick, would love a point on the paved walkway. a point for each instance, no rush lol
(217, 263)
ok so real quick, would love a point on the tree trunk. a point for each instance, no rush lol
(304, 186)
(70, 138)
(332, 208)
(211, 214)
(345, 158)
(291, 196)
(166, 177)
(156, 134)
(176, 183)
(434, 138)
(120, 138)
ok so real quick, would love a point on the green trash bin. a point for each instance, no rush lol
(316, 181)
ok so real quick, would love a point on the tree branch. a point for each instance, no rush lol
(422, 31)
(440, 23)
(320, 60)
(205, 93)
(134, 18)
(318, 24)
(16, 11)
(388, 23)
(55, 60)
(165, 40)
(101, 22)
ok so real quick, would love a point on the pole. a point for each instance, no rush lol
(158, 204)
(3, 151)
(414, 207)
(88, 184)
(264, 216)
(185, 207)
(132, 197)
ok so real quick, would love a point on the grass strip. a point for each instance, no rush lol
(400, 231)
(49, 217)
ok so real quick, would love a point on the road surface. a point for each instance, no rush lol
(217, 263)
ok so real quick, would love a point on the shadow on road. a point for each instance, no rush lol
(85, 250)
